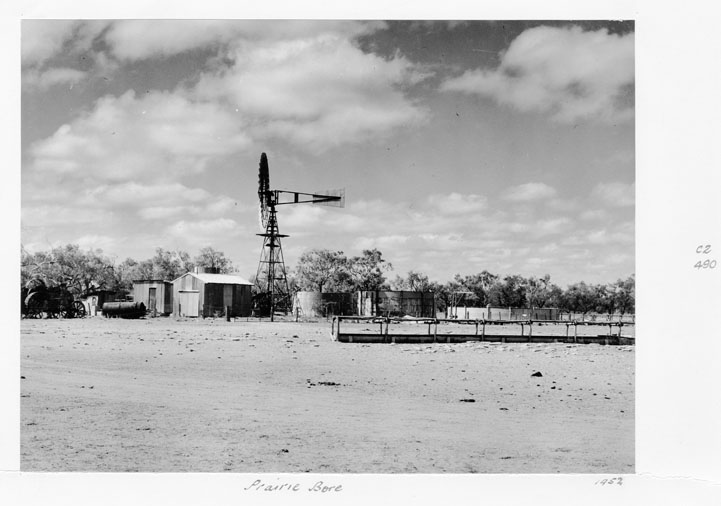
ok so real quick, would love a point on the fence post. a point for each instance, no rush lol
(483, 330)
(575, 332)
(530, 330)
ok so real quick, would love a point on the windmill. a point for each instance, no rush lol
(271, 282)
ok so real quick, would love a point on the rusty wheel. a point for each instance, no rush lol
(78, 309)
(34, 313)
(34, 306)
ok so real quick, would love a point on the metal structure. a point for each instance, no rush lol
(271, 281)
(451, 332)
(53, 302)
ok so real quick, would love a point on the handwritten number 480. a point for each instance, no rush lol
(610, 481)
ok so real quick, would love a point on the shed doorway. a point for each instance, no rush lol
(151, 299)
(189, 302)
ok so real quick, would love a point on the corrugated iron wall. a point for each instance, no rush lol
(395, 303)
(502, 313)
(317, 304)
(163, 294)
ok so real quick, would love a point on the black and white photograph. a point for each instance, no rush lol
(462, 303)
(293, 251)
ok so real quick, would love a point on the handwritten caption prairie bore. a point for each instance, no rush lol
(318, 486)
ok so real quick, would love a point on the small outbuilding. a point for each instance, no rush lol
(209, 294)
(94, 301)
(156, 294)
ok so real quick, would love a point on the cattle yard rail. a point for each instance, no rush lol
(433, 334)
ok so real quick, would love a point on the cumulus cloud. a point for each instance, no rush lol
(56, 214)
(318, 91)
(149, 136)
(568, 72)
(96, 241)
(305, 82)
(529, 192)
(594, 215)
(198, 231)
(42, 39)
(52, 77)
(133, 193)
(615, 194)
(431, 238)
(458, 204)
(552, 226)
(143, 39)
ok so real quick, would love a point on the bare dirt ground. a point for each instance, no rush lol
(166, 395)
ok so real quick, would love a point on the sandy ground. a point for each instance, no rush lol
(181, 395)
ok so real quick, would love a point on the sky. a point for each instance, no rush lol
(462, 146)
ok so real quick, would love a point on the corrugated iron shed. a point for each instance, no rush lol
(222, 279)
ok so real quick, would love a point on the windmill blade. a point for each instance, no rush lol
(262, 217)
(263, 179)
(263, 190)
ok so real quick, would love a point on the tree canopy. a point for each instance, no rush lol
(209, 257)
(368, 270)
(321, 268)
(84, 271)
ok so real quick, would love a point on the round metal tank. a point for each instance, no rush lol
(317, 304)
(308, 304)
(124, 309)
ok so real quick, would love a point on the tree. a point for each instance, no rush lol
(209, 257)
(318, 269)
(413, 282)
(169, 265)
(444, 294)
(540, 292)
(623, 295)
(479, 284)
(82, 271)
(580, 298)
(367, 271)
(554, 296)
(511, 292)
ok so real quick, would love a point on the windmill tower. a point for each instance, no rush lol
(271, 281)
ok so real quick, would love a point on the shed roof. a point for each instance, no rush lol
(221, 279)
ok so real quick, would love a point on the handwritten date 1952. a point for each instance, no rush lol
(610, 481)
